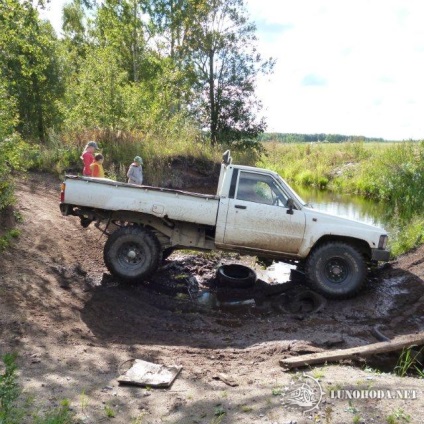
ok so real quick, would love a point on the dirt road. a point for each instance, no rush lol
(75, 329)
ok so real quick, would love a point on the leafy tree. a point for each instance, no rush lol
(227, 64)
(29, 64)
(212, 43)
(74, 26)
(94, 99)
(120, 28)
(13, 151)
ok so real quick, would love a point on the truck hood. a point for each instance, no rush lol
(320, 224)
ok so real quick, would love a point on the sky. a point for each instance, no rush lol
(352, 67)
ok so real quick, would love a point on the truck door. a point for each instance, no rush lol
(257, 216)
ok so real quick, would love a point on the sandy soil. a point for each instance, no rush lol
(76, 329)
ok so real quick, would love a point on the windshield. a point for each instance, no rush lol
(290, 191)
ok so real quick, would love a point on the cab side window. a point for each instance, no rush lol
(259, 188)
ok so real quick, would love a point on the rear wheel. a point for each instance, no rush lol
(336, 269)
(132, 253)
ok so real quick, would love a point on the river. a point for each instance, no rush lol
(346, 205)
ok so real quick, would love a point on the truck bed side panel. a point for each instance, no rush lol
(173, 204)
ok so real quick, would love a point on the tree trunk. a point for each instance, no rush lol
(38, 109)
(213, 115)
(135, 44)
(398, 343)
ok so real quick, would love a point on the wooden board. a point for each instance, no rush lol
(144, 373)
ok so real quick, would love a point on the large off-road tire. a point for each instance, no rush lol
(132, 253)
(336, 269)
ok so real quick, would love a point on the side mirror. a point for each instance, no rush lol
(290, 205)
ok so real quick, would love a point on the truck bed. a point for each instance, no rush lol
(99, 193)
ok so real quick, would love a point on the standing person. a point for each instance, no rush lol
(87, 157)
(135, 172)
(97, 167)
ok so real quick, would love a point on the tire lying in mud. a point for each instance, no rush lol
(235, 276)
(336, 269)
(132, 253)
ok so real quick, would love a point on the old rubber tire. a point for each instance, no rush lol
(336, 269)
(132, 253)
(235, 276)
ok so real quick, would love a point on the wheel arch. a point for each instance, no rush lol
(361, 245)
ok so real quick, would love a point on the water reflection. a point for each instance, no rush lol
(346, 205)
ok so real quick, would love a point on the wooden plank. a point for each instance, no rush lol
(398, 343)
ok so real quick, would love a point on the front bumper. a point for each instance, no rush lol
(380, 255)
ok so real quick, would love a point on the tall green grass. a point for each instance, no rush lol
(61, 153)
(384, 171)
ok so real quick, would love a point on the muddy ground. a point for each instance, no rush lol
(75, 329)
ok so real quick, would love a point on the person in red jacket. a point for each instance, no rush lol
(87, 157)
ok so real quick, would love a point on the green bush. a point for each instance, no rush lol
(9, 392)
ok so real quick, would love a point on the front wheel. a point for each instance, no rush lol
(336, 269)
(132, 253)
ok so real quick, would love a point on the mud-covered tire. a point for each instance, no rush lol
(235, 276)
(132, 253)
(336, 269)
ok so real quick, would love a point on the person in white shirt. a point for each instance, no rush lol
(135, 171)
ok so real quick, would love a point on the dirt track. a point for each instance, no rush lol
(74, 327)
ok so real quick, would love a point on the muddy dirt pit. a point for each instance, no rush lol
(185, 288)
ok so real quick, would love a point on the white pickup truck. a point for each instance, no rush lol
(254, 212)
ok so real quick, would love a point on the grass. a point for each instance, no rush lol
(390, 171)
(398, 416)
(109, 411)
(219, 415)
(408, 363)
(352, 408)
(62, 152)
(318, 373)
(277, 391)
(6, 239)
(14, 409)
(356, 419)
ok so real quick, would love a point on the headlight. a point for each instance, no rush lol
(382, 243)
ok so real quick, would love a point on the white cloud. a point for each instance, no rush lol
(351, 67)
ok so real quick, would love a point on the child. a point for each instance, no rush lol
(97, 167)
(135, 172)
(88, 157)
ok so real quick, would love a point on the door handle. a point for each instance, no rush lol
(240, 207)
